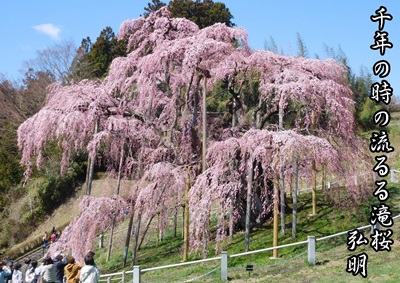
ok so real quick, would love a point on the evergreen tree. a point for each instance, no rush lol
(152, 7)
(103, 51)
(302, 50)
(270, 45)
(93, 60)
(80, 67)
(204, 13)
(10, 118)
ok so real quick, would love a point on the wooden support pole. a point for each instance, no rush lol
(294, 196)
(248, 202)
(186, 219)
(314, 187)
(276, 216)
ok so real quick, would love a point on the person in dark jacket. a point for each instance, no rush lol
(59, 264)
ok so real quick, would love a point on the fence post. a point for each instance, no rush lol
(109, 279)
(224, 265)
(101, 240)
(311, 249)
(136, 274)
(392, 176)
(123, 276)
(375, 226)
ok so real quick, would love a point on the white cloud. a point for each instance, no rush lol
(49, 29)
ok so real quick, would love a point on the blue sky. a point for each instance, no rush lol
(27, 26)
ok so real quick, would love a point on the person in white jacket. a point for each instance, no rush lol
(17, 274)
(89, 273)
(32, 274)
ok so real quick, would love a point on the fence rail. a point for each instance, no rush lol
(269, 249)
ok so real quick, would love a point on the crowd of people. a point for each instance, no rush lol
(56, 269)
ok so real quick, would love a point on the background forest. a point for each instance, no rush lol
(237, 101)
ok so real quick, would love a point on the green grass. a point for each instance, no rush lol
(291, 266)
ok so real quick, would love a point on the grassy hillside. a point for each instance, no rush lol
(331, 254)
(292, 263)
(102, 186)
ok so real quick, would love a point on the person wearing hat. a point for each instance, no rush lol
(17, 274)
(5, 271)
(59, 263)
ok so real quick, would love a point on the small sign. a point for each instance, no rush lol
(249, 268)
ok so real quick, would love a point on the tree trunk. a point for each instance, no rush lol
(117, 192)
(140, 159)
(204, 151)
(296, 188)
(276, 215)
(183, 219)
(314, 187)
(204, 130)
(314, 174)
(128, 238)
(161, 232)
(91, 166)
(175, 221)
(145, 231)
(111, 239)
(232, 167)
(136, 238)
(186, 219)
(282, 191)
(323, 178)
(248, 203)
(231, 217)
(158, 230)
(205, 239)
(234, 114)
(121, 157)
(280, 117)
